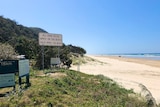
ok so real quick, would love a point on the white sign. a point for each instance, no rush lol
(55, 61)
(7, 80)
(47, 39)
(23, 67)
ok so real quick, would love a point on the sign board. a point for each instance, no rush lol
(55, 61)
(8, 66)
(7, 80)
(47, 39)
(23, 67)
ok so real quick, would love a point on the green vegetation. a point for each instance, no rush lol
(7, 51)
(78, 59)
(25, 42)
(73, 89)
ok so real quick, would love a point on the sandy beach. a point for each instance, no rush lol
(127, 72)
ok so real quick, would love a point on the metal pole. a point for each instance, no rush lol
(42, 57)
(58, 57)
(58, 52)
(78, 67)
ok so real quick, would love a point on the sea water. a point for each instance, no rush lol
(152, 56)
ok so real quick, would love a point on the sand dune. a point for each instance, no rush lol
(130, 73)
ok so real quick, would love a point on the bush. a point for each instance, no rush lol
(7, 51)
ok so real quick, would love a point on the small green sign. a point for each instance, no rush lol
(7, 80)
(23, 67)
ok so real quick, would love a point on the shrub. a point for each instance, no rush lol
(7, 51)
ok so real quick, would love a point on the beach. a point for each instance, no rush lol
(130, 73)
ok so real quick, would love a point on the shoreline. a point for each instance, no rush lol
(130, 73)
(146, 61)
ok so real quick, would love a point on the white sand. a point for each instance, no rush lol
(127, 74)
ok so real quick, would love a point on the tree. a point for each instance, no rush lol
(51, 52)
(27, 47)
(77, 49)
(7, 51)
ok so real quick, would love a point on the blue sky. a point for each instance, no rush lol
(99, 26)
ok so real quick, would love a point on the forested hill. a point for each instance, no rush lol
(25, 42)
(9, 29)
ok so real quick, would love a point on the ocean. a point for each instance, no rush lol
(152, 56)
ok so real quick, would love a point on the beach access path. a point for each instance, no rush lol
(127, 73)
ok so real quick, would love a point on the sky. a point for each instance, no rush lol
(98, 26)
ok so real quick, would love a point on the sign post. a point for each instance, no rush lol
(42, 48)
(48, 39)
